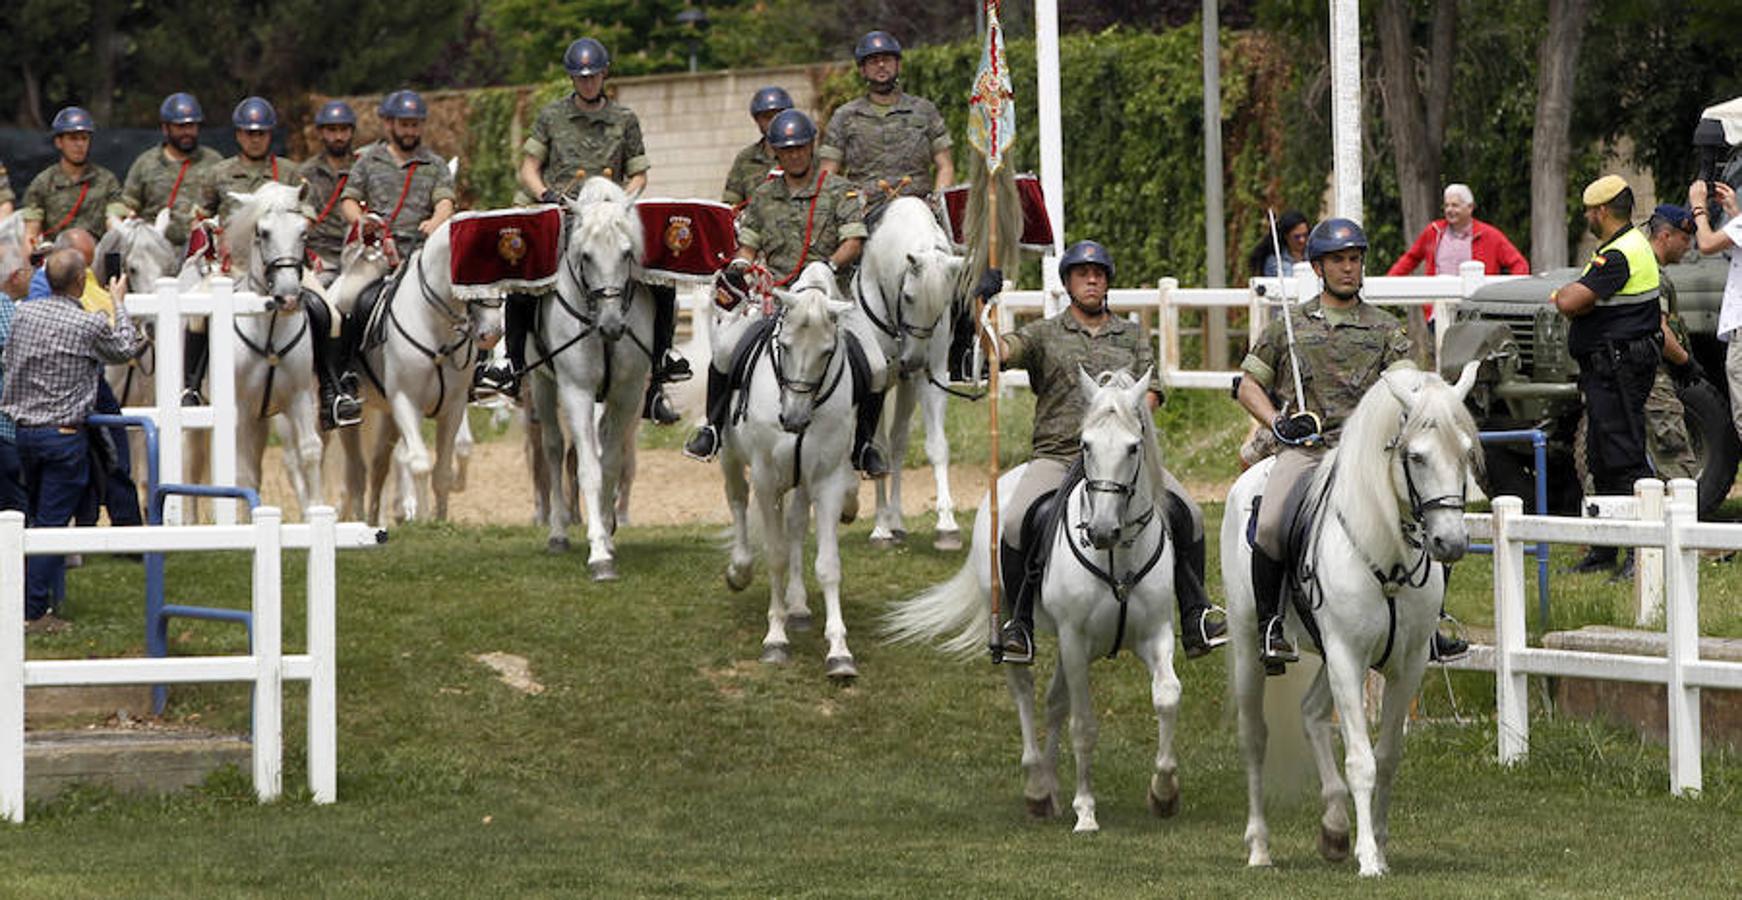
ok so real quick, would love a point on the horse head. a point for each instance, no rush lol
(928, 287)
(1116, 444)
(268, 233)
(1434, 451)
(604, 248)
(146, 255)
(806, 341)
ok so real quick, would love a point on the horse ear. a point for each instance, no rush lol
(1467, 378)
(785, 297)
(1404, 395)
(1086, 382)
(913, 262)
(1137, 395)
(837, 308)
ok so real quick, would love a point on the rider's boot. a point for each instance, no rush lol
(1018, 631)
(669, 367)
(1595, 559)
(1203, 627)
(339, 407)
(867, 458)
(1273, 646)
(705, 443)
(962, 342)
(1624, 572)
(193, 366)
(495, 376)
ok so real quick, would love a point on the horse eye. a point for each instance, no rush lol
(1131, 450)
(1415, 457)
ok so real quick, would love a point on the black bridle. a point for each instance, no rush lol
(460, 324)
(897, 326)
(1129, 530)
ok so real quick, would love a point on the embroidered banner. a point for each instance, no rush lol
(503, 251)
(1036, 224)
(687, 240)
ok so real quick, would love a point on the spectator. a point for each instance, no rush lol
(52, 360)
(1460, 237)
(1714, 238)
(14, 281)
(1291, 235)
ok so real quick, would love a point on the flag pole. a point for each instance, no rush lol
(989, 336)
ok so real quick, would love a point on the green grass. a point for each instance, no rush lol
(663, 760)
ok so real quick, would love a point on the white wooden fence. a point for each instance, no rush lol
(1679, 536)
(266, 666)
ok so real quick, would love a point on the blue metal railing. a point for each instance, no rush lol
(1539, 447)
(157, 611)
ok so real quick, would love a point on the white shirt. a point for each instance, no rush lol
(1730, 314)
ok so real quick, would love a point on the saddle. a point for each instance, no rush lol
(755, 342)
(1040, 528)
(370, 311)
(1299, 515)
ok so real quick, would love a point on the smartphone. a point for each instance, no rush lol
(112, 264)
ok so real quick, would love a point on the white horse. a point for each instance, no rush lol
(905, 286)
(1107, 585)
(1390, 502)
(422, 369)
(795, 438)
(597, 328)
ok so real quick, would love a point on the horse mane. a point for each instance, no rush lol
(816, 276)
(605, 209)
(1108, 403)
(271, 197)
(908, 227)
(1370, 504)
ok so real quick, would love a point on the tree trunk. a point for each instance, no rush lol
(1550, 141)
(30, 100)
(105, 59)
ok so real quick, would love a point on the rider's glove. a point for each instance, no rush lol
(1298, 430)
(550, 196)
(991, 284)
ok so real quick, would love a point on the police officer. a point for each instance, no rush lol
(887, 141)
(326, 173)
(1671, 231)
(74, 192)
(168, 176)
(253, 165)
(581, 135)
(1343, 346)
(1086, 335)
(1616, 336)
(804, 216)
(755, 164)
(400, 179)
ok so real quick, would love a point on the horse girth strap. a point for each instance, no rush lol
(1121, 587)
(272, 355)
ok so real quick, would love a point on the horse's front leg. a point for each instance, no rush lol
(464, 444)
(1316, 706)
(1347, 676)
(890, 529)
(742, 560)
(1085, 729)
(1164, 693)
(356, 473)
(578, 407)
(552, 453)
(948, 535)
(304, 449)
(838, 664)
(616, 430)
(776, 648)
(797, 508)
(380, 464)
(447, 430)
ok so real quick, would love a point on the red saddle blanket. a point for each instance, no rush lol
(502, 251)
(1036, 224)
(687, 240)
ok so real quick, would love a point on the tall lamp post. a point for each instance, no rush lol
(694, 21)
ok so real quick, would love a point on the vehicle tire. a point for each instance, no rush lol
(1711, 435)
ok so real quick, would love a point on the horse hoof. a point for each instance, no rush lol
(603, 570)
(840, 668)
(1333, 846)
(881, 542)
(899, 536)
(1042, 807)
(1168, 807)
(556, 545)
(776, 654)
(947, 540)
(737, 578)
(1086, 825)
(800, 621)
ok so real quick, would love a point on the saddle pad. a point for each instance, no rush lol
(503, 251)
(1041, 524)
(1036, 224)
(687, 240)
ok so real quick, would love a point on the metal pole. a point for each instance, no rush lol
(1346, 106)
(1215, 228)
(1052, 154)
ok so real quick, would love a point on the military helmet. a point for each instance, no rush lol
(73, 119)
(406, 104)
(180, 109)
(770, 99)
(1332, 235)
(335, 112)
(254, 114)
(875, 42)
(586, 57)
(791, 129)
(1085, 253)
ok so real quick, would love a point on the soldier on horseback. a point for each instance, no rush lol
(1086, 336)
(586, 133)
(888, 141)
(756, 163)
(166, 177)
(326, 174)
(74, 192)
(399, 178)
(804, 216)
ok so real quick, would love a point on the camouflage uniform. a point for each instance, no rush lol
(773, 223)
(569, 140)
(1342, 353)
(749, 170)
(152, 184)
(53, 194)
(326, 235)
(378, 181)
(886, 150)
(1666, 427)
(239, 175)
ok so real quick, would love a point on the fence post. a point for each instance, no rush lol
(323, 750)
(1511, 688)
(268, 655)
(222, 395)
(1682, 623)
(1167, 318)
(1648, 561)
(172, 437)
(12, 665)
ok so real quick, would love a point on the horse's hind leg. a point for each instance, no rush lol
(551, 452)
(1315, 709)
(1039, 763)
(1347, 677)
(838, 664)
(1164, 692)
(464, 443)
(1399, 691)
(742, 559)
(1074, 660)
(889, 529)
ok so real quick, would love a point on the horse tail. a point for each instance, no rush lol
(953, 615)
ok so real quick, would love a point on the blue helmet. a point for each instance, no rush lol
(335, 112)
(586, 57)
(406, 104)
(770, 99)
(1085, 253)
(1332, 235)
(254, 114)
(791, 129)
(180, 109)
(73, 119)
(875, 42)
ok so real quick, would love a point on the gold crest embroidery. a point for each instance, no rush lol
(511, 245)
(679, 234)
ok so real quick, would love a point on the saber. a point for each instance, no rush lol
(1287, 320)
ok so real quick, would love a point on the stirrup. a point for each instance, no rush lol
(491, 378)
(1208, 633)
(191, 396)
(345, 411)
(1274, 648)
(694, 449)
(1446, 647)
(870, 461)
(674, 368)
(1018, 647)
